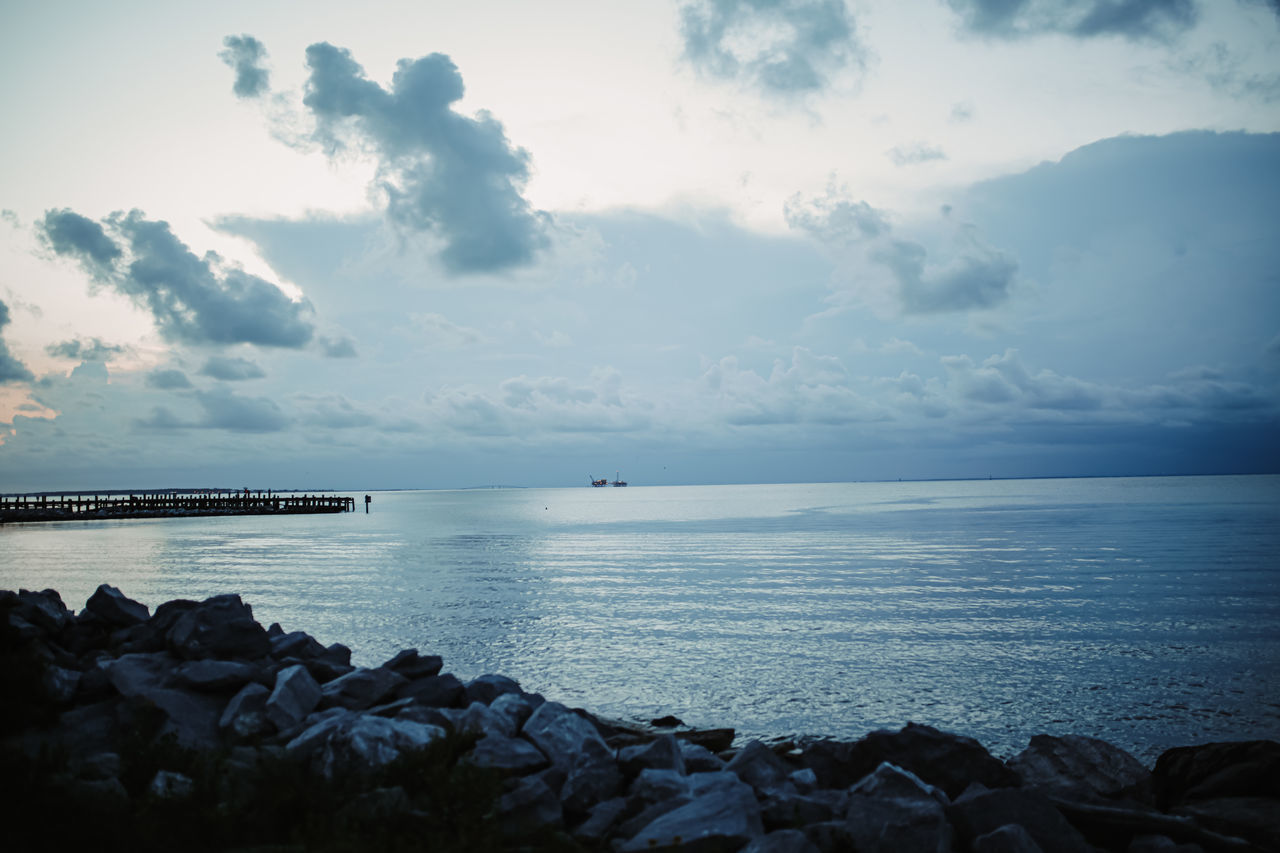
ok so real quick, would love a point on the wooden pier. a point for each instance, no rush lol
(165, 504)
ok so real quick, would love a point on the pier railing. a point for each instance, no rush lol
(60, 507)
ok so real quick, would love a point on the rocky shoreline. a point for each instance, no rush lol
(194, 727)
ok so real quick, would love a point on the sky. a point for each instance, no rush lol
(441, 245)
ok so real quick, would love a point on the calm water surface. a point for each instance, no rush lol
(1145, 611)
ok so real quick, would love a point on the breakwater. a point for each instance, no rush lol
(195, 727)
(159, 504)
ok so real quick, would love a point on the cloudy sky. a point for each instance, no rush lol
(434, 244)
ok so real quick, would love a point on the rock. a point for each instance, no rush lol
(656, 786)
(220, 627)
(509, 755)
(888, 782)
(1010, 838)
(782, 841)
(714, 740)
(360, 689)
(60, 685)
(668, 722)
(760, 767)
(1256, 819)
(1081, 768)
(830, 836)
(337, 653)
(602, 818)
(1159, 844)
(168, 785)
(295, 695)
(246, 714)
(101, 796)
(514, 708)
(980, 813)
(1229, 769)
(436, 691)
(212, 676)
(342, 742)
(412, 665)
(946, 760)
(699, 759)
(295, 644)
(113, 607)
(377, 805)
(43, 610)
(529, 807)
(561, 734)
(189, 717)
(486, 688)
(662, 753)
(726, 817)
(136, 674)
(592, 778)
(804, 780)
(100, 765)
(878, 824)
(781, 809)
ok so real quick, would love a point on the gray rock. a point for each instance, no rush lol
(529, 807)
(1213, 770)
(100, 765)
(830, 836)
(360, 689)
(561, 734)
(602, 818)
(343, 742)
(246, 714)
(1009, 838)
(214, 676)
(486, 688)
(295, 644)
(804, 779)
(478, 718)
(982, 812)
(137, 674)
(508, 755)
(514, 708)
(436, 691)
(337, 653)
(412, 665)
(782, 841)
(1082, 768)
(727, 817)
(760, 767)
(168, 785)
(60, 685)
(780, 809)
(43, 610)
(189, 717)
(883, 825)
(1159, 844)
(220, 627)
(654, 785)
(295, 695)
(377, 805)
(662, 753)
(1256, 819)
(593, 778)
(113, 607)
(699, 759)
(893, 783)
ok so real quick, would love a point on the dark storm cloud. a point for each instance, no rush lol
(228, 369)
(244, 54)
(11, 370)
(979, 278)
(1131, 19)
(195, 300)
(92, 349)
(168, 379)
(442, 172)
(227, 410)
(784, 47)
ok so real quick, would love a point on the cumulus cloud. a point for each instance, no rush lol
(334, 411)
(1225, 71)
(1005, 379)
(11, 370)
(783, 47)
(227, 410)
(244, 54)
(454, 176)
(168, 379)
(78, 349)
(526, 406)
(914, 153)
(810, 389)
(194, 300)
(834, 218)
(1130, 19)
(336, 347)
(229, 369)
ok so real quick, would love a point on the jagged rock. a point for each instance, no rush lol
(514, 708)
(699, 759)
(528, 807)
(436, 691)
(295, 695)
(168, 785)
(561, 734)
(946, 760)
(781, 809)
(509, 755)
(654, 785)
(899, 823)
(341, 741)
(760, 767)
(486, 688)
(167, 614)
(43, 610)
(190, 717)
(337, 653)
(976, 814)
(1226, 769)
(100, 765)
(662, 753)
(670, 721)
(593, 777)
(89, 729)
(1009, 838)
(212, 676)
(829, 836)
(115, 608)
(781, 841)
(246, 714)
(804, 780)
(412, 665)
(1256, 819)
(23, 629)
(377, 805)
(714, 740)
(724, 816)
(60, 685)
(888, 782)
(1157, 844)
(220, 627)
(1082, 768)
(602, 818)
(361, 688)
(295, 644)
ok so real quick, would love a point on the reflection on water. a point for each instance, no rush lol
(1143, 611)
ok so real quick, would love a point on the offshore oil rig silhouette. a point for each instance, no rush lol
(617, 481)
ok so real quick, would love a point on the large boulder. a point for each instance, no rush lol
(1213, 770)
(192, 718)
(214, 676)
(891, 809)
(115, 608)
(592, 778)
(782, 841)
(220, 627)
(508, 755)
(342, 742)
(1084, 768)
(295, 644)
(360, 689)
(662, 753)
(486, 688)
(723, 816)
(296, 694)
(760, 767)
(977, 814)
(43, 609)
(562, 734)
(412, 665)
(246, 714)
(434, 691)
(528, 807)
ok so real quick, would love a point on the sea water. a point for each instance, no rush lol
(1145, 611)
